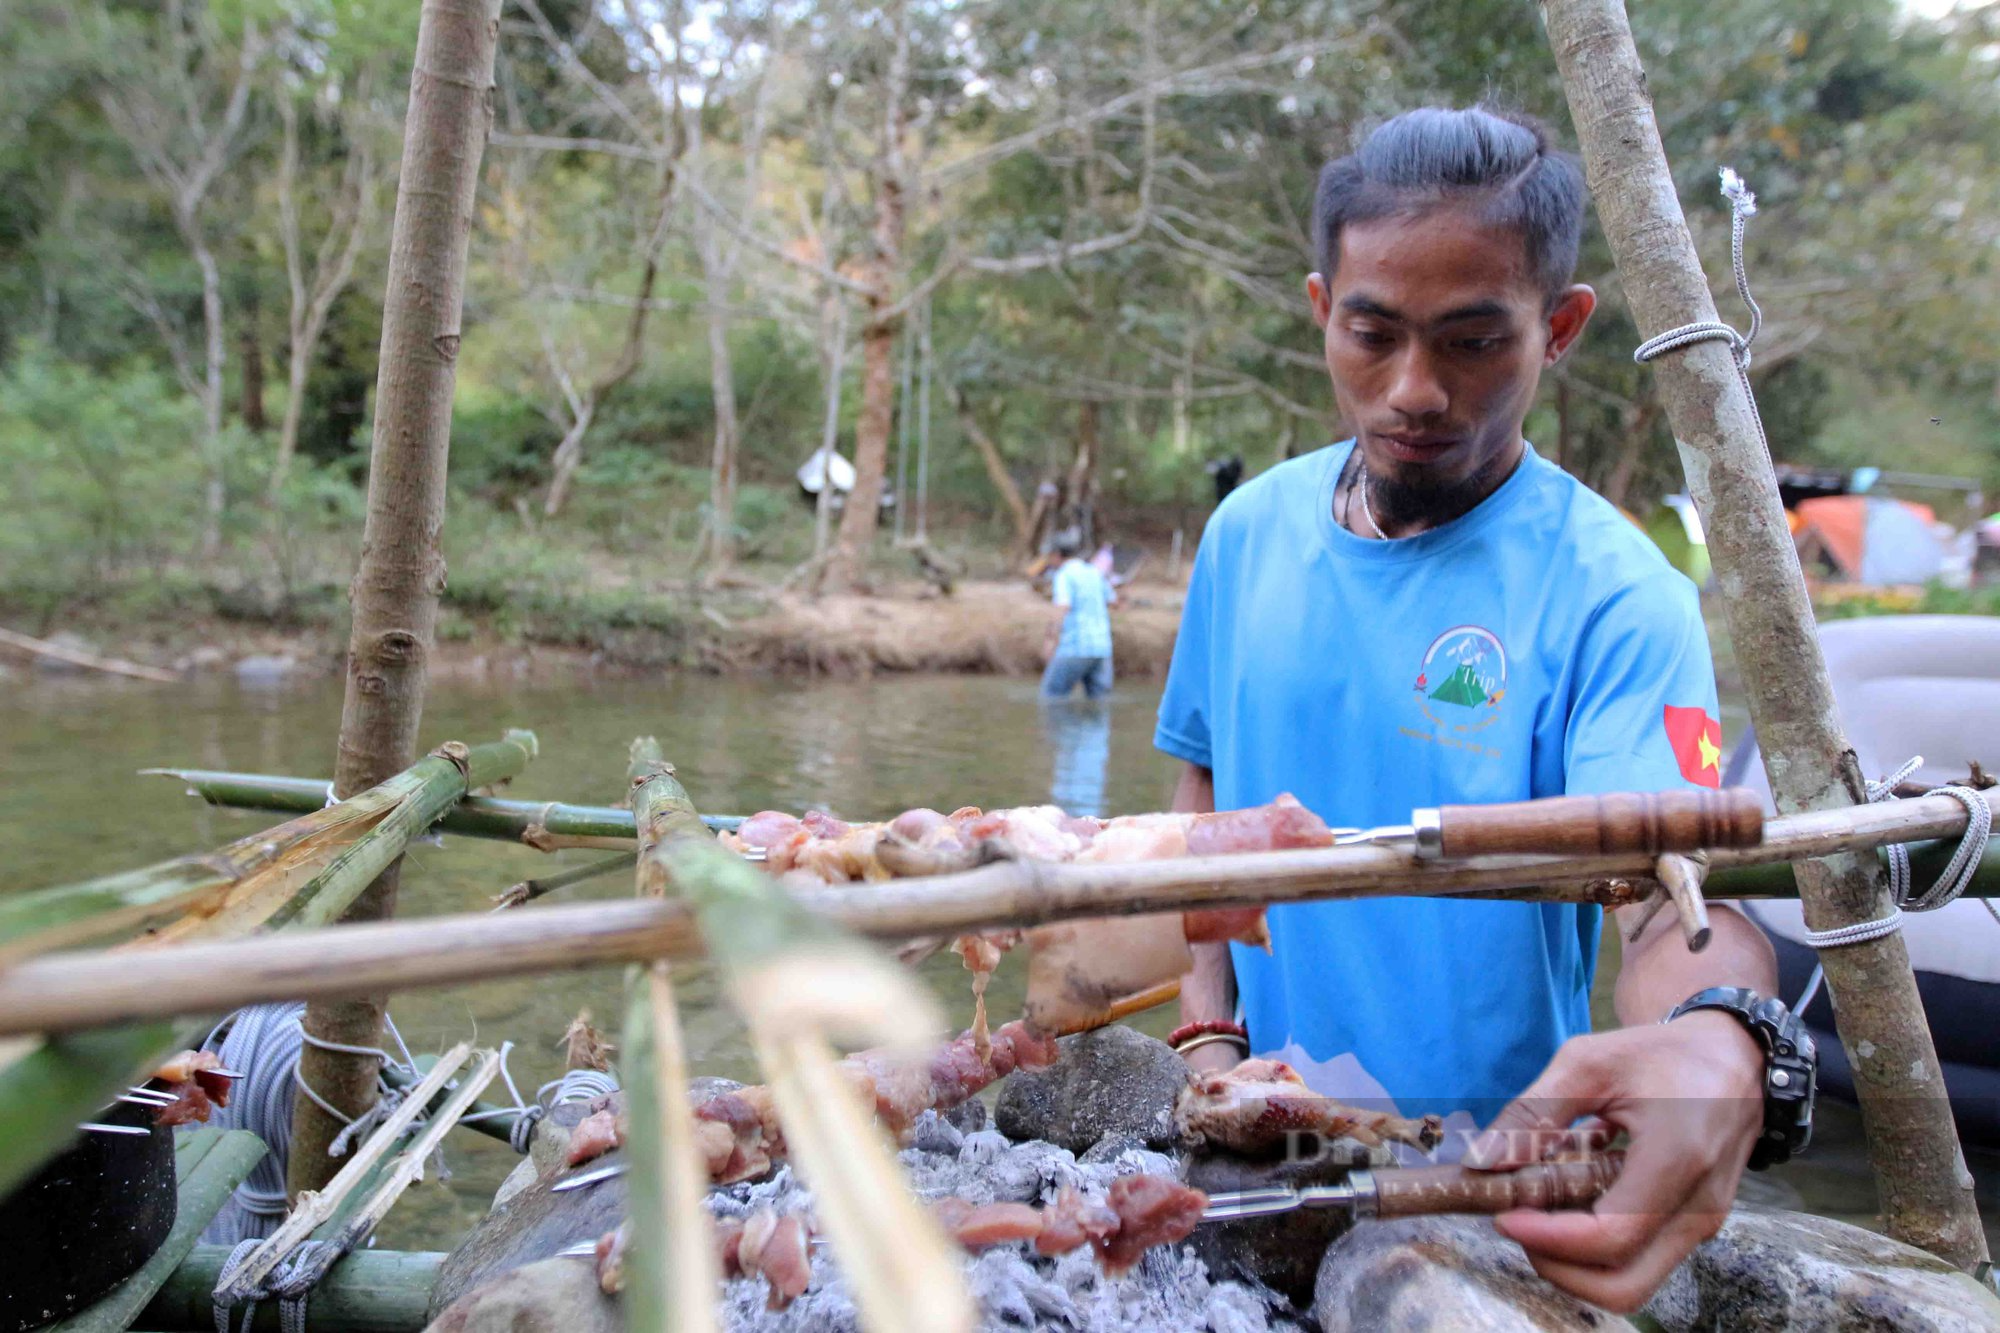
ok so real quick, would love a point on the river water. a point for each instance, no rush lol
(71, 807)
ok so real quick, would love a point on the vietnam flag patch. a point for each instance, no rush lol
(1697, 741)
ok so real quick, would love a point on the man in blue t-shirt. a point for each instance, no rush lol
(1431, 614)
(1079, 642)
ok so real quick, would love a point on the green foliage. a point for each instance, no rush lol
(1872, 138)
(100, 491)
(1935, 600)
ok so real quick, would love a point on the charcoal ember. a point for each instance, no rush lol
(968, 1116)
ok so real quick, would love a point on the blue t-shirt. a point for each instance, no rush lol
(1540, 645)
(1086, 630)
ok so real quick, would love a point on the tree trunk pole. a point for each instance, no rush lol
(858, 520)
(1927, 1197)
(402, 570)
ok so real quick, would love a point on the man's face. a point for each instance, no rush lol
(1436, 336)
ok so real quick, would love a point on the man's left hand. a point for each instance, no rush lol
(1689, 1096)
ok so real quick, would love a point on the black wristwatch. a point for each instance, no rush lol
(1791, 1064)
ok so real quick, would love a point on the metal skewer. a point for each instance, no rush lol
(1413, 1191)
(590, 1177)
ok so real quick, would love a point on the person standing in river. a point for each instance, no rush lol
(1079, 638)
(1431, 613)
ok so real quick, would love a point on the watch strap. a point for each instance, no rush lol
(1790, 1067)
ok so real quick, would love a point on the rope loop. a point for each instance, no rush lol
(1742, 207)
(1955, 879)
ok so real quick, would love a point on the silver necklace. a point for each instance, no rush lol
(1361, 489)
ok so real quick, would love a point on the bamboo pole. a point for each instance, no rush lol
(671, 1283)
(371, 1291)
(310, 1212)
(527, 890)
(672, 1279)
(263, 870)
(46, 1089)
(72, 991)
(408, 1168)
(1927, 1194)
(402, 571)
(543, 825)
(800, 981)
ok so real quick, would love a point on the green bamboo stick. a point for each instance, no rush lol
(334, 889)
(475, 816)
(46, 1089)
(671, 1273)
(530, 889)
(370, 1291)
(41, 919)
(1774, 879)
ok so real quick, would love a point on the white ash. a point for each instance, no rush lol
(1169, 1292)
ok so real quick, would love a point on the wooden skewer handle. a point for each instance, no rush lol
(1649, 822)
(1454, 1189)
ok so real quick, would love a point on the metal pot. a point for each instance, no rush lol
(85, 1223)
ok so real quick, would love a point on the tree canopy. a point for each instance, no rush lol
(1095, 217)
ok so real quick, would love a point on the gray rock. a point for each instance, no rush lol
(1115, 1080)
(56, 666)
(205, 657)
(1771, 1272)
(549, 1148)
(533, 1225)
(522, 1176)
(1420, 1274)
(1282, 1252)
(556, 1294)
(264, 670)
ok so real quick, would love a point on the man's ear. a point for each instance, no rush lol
(1321, 300)
(1566, 320)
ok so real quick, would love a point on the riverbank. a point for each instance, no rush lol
(983, 627)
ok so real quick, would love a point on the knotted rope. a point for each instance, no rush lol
(290, 1284)
(1742, 207)
(1952, 882)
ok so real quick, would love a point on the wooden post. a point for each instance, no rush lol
(401, 573)
(1927, 1197)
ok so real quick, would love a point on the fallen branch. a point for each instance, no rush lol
(116, 666)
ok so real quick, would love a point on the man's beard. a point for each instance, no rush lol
(1434, 504)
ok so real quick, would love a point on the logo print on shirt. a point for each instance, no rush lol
(1697, 742)
(1463, 679)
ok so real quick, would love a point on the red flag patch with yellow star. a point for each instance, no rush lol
(1697, 741)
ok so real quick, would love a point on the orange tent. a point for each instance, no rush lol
(1869, 538)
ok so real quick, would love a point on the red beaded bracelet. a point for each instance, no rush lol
(1220, 1027)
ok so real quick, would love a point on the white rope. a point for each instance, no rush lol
(1742, 207)
(1951, 882)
